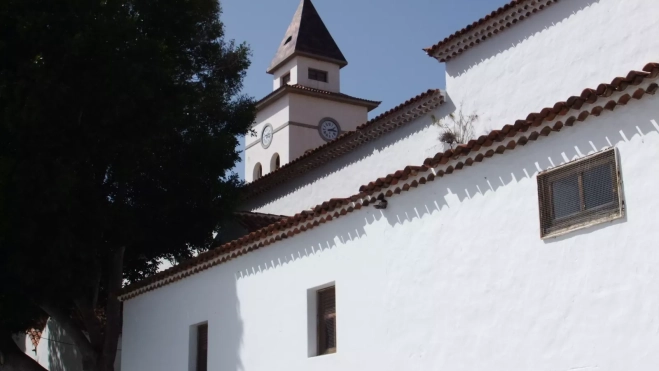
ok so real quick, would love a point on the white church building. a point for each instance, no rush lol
(372, 245)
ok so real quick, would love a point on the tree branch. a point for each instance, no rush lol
(113, 311)
(92, 324)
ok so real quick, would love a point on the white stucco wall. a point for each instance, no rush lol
(291, 141)
(556, 53)
(299, 66)
(310, 111)
(277, 115)
(288, 67)
(409, 145)
(451, 276)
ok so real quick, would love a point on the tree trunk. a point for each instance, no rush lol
(112, 312)
(12, 358)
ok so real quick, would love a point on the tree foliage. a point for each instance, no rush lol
(118, 127)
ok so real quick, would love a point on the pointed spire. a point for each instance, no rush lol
(307, 35)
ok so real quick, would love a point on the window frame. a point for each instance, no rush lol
(202, 364)
(286, 78)
(313, 74)
(550, 226)
(321, 318)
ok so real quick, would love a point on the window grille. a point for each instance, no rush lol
(326, 321)
(580, 193)
(317, 75)
(202, 347)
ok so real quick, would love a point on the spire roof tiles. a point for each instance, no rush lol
(307, 36)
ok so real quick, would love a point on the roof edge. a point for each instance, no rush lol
(318, 93)
(272, 68)
(485, 28)
(411, 177)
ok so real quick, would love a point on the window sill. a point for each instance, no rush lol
(325, 355)
(583, 225)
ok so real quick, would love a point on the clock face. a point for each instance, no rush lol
(329, 129)
(266, 136)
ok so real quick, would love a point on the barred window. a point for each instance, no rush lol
(317, 75)
(202, 347)
(326, 321)
(580, 193)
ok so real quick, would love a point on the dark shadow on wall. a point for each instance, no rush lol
(513, 36)
(283, 253)
(21, 340)
(229, 331)
(382, 144)
(63, 354)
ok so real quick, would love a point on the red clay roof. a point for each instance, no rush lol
(300, 89)
(349, 141)
(253, 221)
(486, 27)
(574, 110)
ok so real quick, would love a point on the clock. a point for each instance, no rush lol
(329, 129)
(266, 136)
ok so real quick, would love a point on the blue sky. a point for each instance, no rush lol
(381, 39)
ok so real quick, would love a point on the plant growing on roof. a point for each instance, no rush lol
(459, 129)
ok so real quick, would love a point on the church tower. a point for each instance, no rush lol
(306, 108)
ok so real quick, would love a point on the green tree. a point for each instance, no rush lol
(118, 129)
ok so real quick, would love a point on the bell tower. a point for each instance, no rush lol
(306, 108)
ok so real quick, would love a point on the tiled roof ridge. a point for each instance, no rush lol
(321, 91)
(372, 103)
(253, 221)
(497, 21)
(507, 138)
(255, 213)
(345, 142)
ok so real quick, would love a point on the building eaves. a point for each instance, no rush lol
(499, 20)
(348, 141)
(312, 92)
(562, 115)
(253, 221)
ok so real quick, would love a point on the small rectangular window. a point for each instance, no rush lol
(202, 347)
(326, 302)
(286, 79)
(317, 75)
(580, 193)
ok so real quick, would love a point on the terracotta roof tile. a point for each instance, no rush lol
(253, 221)
(307, 35)
(486, 27)
(348, 141)
(522, 132)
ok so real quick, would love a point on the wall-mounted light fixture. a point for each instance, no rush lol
(381, 204)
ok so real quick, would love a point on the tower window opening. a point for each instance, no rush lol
(286, 79)
(317, 75)
(258, 171)
(275, 162)
(288, 40)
